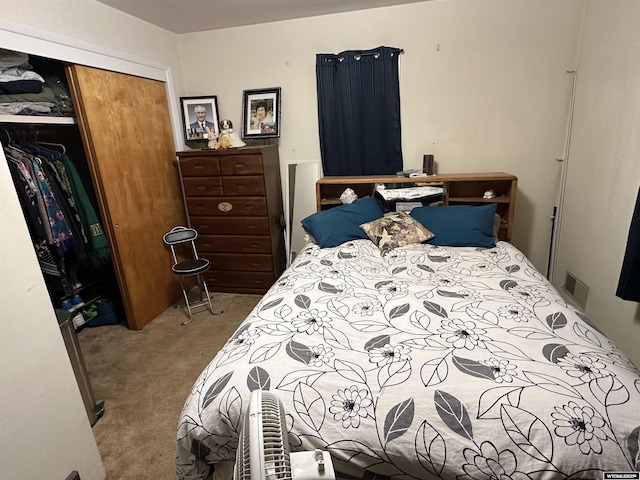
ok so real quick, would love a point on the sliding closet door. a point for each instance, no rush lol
(125, 125)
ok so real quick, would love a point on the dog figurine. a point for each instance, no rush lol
(226, 130)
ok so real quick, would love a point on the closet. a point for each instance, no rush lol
(120, 139)
(73, 253)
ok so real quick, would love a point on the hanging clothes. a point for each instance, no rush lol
(629, 283)
(26, 190)
(51, 265)
(99, 244)
(59, 183)
(64, 227)
(62, 236)
(27, 169)
(68, 216)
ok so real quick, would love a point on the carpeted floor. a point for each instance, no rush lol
(144, 377)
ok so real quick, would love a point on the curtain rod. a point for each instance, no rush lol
(356, 54)
(377, 53)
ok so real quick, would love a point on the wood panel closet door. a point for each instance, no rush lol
(126, 129)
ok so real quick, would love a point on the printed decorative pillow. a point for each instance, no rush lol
(396, 230)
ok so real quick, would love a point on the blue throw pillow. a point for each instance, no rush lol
(459, 225)
(340, 224)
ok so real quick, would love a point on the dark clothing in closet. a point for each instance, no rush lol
(629, 284)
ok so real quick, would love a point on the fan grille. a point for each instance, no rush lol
(276, 463)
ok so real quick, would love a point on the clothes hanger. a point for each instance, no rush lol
(9, 139)
(13, 160)
(58, 146)
(23, 151)
(11, 147)
(29, 143)
(47, 153)
(39, 148)
(15, 148)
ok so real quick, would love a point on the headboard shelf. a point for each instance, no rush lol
(459, 189)
(467, 200)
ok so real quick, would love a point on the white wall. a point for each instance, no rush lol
(45, 430)
(483, 86)
(604, 166)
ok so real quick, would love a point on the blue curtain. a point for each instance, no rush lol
(629, 283)
(359, 112)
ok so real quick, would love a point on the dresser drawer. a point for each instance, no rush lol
(202, 186)
(233, 244)
(227, 206)
(221, 278)
(243, 185)
(241, 165)
(231, 225)
(240, 261)
(199, 166)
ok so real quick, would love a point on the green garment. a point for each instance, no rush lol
(90, 221)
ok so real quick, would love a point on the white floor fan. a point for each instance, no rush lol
(263, 447)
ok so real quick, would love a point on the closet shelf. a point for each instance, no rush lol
(40, 119)
(80, 289)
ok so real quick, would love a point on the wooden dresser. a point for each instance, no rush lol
(233, 199)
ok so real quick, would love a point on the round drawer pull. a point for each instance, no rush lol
(224, 206)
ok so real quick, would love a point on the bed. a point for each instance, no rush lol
(421, 360)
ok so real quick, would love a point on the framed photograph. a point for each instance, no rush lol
(261, 113)
(200, 117)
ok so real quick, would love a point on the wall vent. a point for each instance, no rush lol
(576, 289)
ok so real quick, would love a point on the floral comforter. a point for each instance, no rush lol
(430, 362)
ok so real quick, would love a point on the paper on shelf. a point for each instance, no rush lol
(408, 192)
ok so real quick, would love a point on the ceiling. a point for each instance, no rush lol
(179, 16)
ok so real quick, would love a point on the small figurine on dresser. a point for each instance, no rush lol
(213, 139)
(223, 144)
(226, 130)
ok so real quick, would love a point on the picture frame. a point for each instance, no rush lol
(192, 107)
(261, 113)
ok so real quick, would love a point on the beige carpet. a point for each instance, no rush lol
(144, 377)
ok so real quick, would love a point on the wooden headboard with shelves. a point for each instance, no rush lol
(459, 189)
